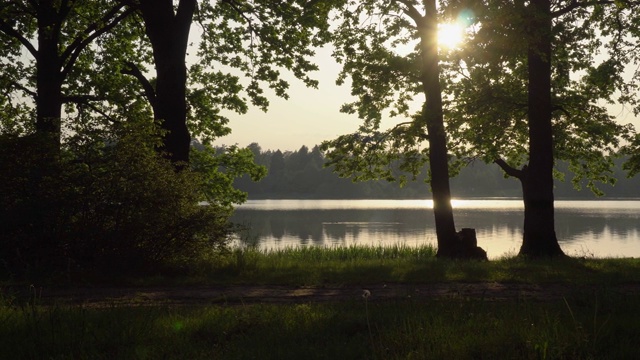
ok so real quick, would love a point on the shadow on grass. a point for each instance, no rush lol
(590, 326)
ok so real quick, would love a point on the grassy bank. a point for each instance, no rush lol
(372, 264)
(358, 265)
(598, 326)
(596, 322)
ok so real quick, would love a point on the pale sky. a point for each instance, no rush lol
(311, 116)
(307, 118)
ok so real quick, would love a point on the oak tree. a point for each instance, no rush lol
(242, 47)
(528, 93)
(42, 44)
(389, 51)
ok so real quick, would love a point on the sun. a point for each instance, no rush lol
(450, 35)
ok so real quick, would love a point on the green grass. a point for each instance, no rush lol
(363, 265)
(599, 326)
(596, 322)
(401, 264)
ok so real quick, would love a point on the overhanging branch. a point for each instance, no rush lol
(149, 92)
(10, 31)
(23, 88)
(242, 13)
(412, 12)
(508, 169)
(93, 31)
(85, 100)
(583, 4)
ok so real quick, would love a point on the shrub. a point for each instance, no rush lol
(115, 207)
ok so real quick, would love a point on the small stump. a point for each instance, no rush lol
(467, 246)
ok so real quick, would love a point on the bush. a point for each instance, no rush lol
(105, 207)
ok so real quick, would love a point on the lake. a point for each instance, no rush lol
(600, 228)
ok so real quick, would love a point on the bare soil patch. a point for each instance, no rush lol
(277, 294)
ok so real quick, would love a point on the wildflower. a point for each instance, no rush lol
(366, 293)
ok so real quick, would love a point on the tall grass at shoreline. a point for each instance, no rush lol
(317, 265)
(314, 265)
(358, 264)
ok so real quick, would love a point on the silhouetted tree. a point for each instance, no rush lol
(257, 39)
(383, 79)
(54, 34)
(519, 105)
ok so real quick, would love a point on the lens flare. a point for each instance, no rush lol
(450, 35)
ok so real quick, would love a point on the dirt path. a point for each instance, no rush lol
(241, 294)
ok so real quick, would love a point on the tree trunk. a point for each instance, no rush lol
(48, 81)
(450, 244)
(168, 32)
(171, 109)
(537, 180)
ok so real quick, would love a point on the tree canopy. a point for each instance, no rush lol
(80, 79)
(46, 47)
(390, 52)
(100, 102)
(92, 53)
(526, 89)
(526, 104)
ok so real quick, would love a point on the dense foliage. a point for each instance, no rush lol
(527, 88)
(489, 107)
(84, 127)
(86, 124)
(110, 207)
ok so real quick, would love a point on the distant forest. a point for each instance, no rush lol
(301, 175)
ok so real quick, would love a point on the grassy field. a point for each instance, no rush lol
(595, 324)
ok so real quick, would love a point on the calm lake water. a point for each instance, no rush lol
(602, 228)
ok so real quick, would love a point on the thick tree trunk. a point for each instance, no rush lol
(171, 109)
(168, 31)
(450, 244)
(539, 230)
(537, 180)
(48, 81)
(433, 118)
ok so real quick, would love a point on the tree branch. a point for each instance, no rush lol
(561, 109)
(185, 11)
(376, 144)
(93, 31)
(183, 20)
(235, 7)
(583, 4)
(392, 130)
(84, 100)
(508, 169)
(412, 12)
(10, 31)
(23, 88)
(63, 12)
(79, 99)
(149, 92)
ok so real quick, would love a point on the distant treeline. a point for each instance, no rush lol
(301, 175)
